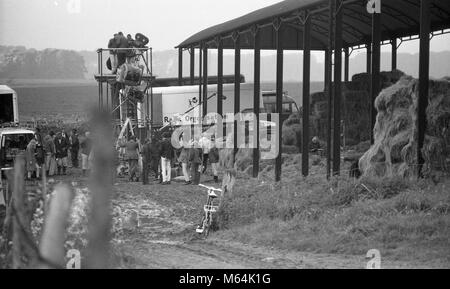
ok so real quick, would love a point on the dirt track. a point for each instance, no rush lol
(165, 237)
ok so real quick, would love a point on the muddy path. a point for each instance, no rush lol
(165, 236)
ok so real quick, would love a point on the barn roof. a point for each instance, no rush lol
(399, 19)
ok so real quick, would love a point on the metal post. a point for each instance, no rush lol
(200, 73)
(180, 66)
(424, 76)
(306, 92)
(328, 82)
(256, 99)
(279, 100)
(375, 85)
(346, 64)
(237, 88)
(205, 82)
(192, 63)
(369, 57)
(220, 84)
(337, 89)
(394, 54)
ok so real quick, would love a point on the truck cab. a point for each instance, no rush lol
(12, 142)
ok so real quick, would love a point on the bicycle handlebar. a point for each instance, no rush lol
(210, 188)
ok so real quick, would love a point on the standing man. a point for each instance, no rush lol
(204, 144)
(145, 161)
(166, 158)
(132, 156)
(74, 147)
(85, 145)
(214, 159)
(155, 158)
(195, 160)
(49, 150)
(61, 147)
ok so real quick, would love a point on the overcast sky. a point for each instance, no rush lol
(58, 24)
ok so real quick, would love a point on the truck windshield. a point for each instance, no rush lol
(11, 145)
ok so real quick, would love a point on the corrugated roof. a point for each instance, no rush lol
(399, 19)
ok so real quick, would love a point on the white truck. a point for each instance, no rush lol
(13, 140)
(179, 105)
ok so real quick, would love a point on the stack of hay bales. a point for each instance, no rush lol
(395, 132)
(292, 133)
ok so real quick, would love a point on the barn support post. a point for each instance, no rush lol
(200, 79)
(375, 85)
(337, 88)
(205, 82)
(220, 85)
(346, 64)
(369, 57)
(180, 66)
(279, 100)
(237, 88)
(192, 65)
(394, 54)
(328, 81)
(424, 76)
(306, 94)
(256, 99)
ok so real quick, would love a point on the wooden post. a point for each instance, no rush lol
(279, 100)
(205, 81)
(192, 64)
(256, 99)
(328, 82)
(375, 85)
(394, 54)
(424, 78)
(180, 66)
(306, 92)
(237, 88)
(337, 89)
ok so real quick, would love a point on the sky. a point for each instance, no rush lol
(88, 24)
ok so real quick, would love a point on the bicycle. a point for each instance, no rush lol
(209, 209)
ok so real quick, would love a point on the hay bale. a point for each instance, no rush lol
(292, 131)
(395, 132)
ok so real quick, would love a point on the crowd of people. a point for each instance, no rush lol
(161, 159)
(55, 152)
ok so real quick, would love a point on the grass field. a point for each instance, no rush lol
(66, 102)
(405, 220)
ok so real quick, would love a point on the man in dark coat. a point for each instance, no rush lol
(74, 147)
(167, 154)
(61, 148)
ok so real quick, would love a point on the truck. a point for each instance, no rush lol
(9, 109)
(179, 105)
(13, 139)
